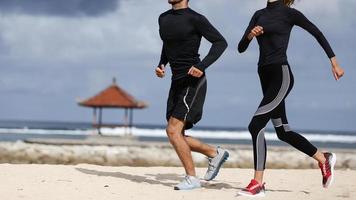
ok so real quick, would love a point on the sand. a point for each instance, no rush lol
(85, 182)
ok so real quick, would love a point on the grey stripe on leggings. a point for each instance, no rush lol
(278, 123)
(280, 96)
(260, 150)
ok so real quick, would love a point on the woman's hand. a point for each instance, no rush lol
(337, 71)
(255, 32)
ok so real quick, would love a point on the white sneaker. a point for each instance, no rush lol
(216, 163)
(189, 183)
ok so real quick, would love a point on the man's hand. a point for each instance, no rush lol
(160, 71)
(195, 72)
(337, 71)
(255, 32)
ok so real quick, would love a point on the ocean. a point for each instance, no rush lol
(11, 131)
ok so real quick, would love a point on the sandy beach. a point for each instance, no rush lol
(84, 182)
(117, 168)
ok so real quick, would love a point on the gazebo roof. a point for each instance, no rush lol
(113, 97)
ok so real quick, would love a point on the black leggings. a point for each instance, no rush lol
(277, 81)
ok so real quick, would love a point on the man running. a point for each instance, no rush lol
(181, 30)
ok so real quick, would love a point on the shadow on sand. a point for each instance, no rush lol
(133, 178)
(168, 180)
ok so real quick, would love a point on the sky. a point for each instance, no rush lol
(55, 53)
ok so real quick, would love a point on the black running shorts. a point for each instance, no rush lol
(186, 99)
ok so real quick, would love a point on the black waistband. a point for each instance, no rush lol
(273, 65)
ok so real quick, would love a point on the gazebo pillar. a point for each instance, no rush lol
(126, 117)
(130, 122)
(100, 120)
(126, 120)
(131, 117)
(94, 116)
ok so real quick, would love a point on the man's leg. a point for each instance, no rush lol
(216, 156)
(174, 132)
(196, 102)
(200, 147)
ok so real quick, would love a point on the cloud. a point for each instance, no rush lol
(52, 40)
(49, 56)
(65, 8)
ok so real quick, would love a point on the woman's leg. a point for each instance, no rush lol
(326, 161)
(284, 132)
(256, 128)
(276, 82)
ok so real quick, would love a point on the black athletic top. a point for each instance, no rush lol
(181, 31)
(277, 21)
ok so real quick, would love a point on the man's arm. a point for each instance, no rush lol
(219, 44)
(164, 59)
(160, 69)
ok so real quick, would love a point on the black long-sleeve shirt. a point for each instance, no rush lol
(277, 21)
(181, 31)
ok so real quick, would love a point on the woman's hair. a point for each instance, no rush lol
(288, 2)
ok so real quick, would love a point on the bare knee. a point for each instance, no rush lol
(172, 131)
(174, 128)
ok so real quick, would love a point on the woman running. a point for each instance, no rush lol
(272, 27)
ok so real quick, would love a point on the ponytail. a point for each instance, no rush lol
(288, 2)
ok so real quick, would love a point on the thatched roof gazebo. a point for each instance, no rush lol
(113, 97)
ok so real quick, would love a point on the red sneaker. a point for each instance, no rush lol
(327, 169)
(254, 189)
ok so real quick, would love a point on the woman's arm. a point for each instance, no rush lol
(300, 20)
(248, 36)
